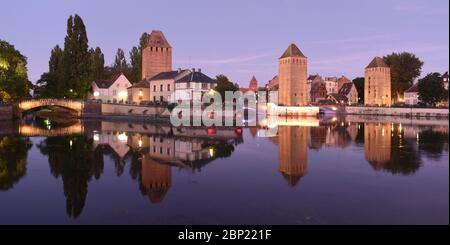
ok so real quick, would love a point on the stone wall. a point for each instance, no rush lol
(133, 110)
(391, 111)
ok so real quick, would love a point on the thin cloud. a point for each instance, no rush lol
(234, 60)
(355, 39)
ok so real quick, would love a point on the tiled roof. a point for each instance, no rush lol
(312, 77)
(292, 51)
(141, 84)
(107, 82)
(167, 75)
(195, 76)
(413, 89)
(445, 75)
(346, 88)
(157, 39)
(377, 62)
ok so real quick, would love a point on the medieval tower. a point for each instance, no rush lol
(377, 83)
(292, 75)
(156, 56)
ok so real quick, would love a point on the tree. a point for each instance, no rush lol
(431, 89)
(135, 65)
(76, 59)
(359, 84)
(405, 67)
(136, 59)
(53, 80)
(224, 84)
(120, 62)
(14, 83)
(97, 63)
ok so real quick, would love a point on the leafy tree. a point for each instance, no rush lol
(431, 89)
(405, 67)
(120, 62)
(76, 59)
(53, 80)
(97, 63)
(136, 59)
(14, 83)
(224, 84)
(359, 84)
(135, 65)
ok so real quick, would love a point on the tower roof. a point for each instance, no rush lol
(377, 62)
(292, 51)
(157, 39)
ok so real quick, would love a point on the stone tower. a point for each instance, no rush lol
(292, 75)
(156, 56)
(253, 86)
(377, 83)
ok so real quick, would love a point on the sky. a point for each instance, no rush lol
(240, 38)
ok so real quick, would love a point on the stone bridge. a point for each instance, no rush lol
(75, 105)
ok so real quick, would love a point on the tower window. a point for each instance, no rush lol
(168, 87)
(154, 88)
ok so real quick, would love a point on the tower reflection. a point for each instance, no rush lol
(377, 144)
(292, 152)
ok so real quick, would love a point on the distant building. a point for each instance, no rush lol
(331, 85)
(411, 95)
(347, 94)
(445, 80)
(156, 55)
(111, 90)
(253, 86)
(342, 80)
(309, 81)
(318, 91)
(183, 84)
(139, 92)
(292, 75)
(377, 86)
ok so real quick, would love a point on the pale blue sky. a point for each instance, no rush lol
(241, 38)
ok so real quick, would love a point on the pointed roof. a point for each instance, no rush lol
(377, 62)
(157, 39)
(292, 51)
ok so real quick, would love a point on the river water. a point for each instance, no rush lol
(354, 170)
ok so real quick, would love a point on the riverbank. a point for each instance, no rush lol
(394, 111)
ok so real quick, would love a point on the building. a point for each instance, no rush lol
(347, 94)
(309, 81)
(111, 90)
(139, 92)
(318, 91)
(183, 84)
(253, 86)
(331, 85)
(411, 95)
(342, 80)
(272, 89)
(156, 55)
(292, 75)
(377, 86)
(445, 80)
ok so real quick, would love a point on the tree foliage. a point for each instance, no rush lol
(14, 83)
(224, 84)
(431, 89)
(359, 84)
(405, 67)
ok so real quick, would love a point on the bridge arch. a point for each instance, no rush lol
(75, 105)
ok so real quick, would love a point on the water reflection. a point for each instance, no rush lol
(76, 153)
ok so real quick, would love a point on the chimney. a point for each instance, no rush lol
(193, 69)
(199, 70)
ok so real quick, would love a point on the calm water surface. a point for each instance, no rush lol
(309, 171)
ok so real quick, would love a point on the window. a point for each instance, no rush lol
(154, 98)
(154, 88)
(114, 92)
(168, 87)
(168, 151)
(161, 98)
(160, 150)
(161, 87)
